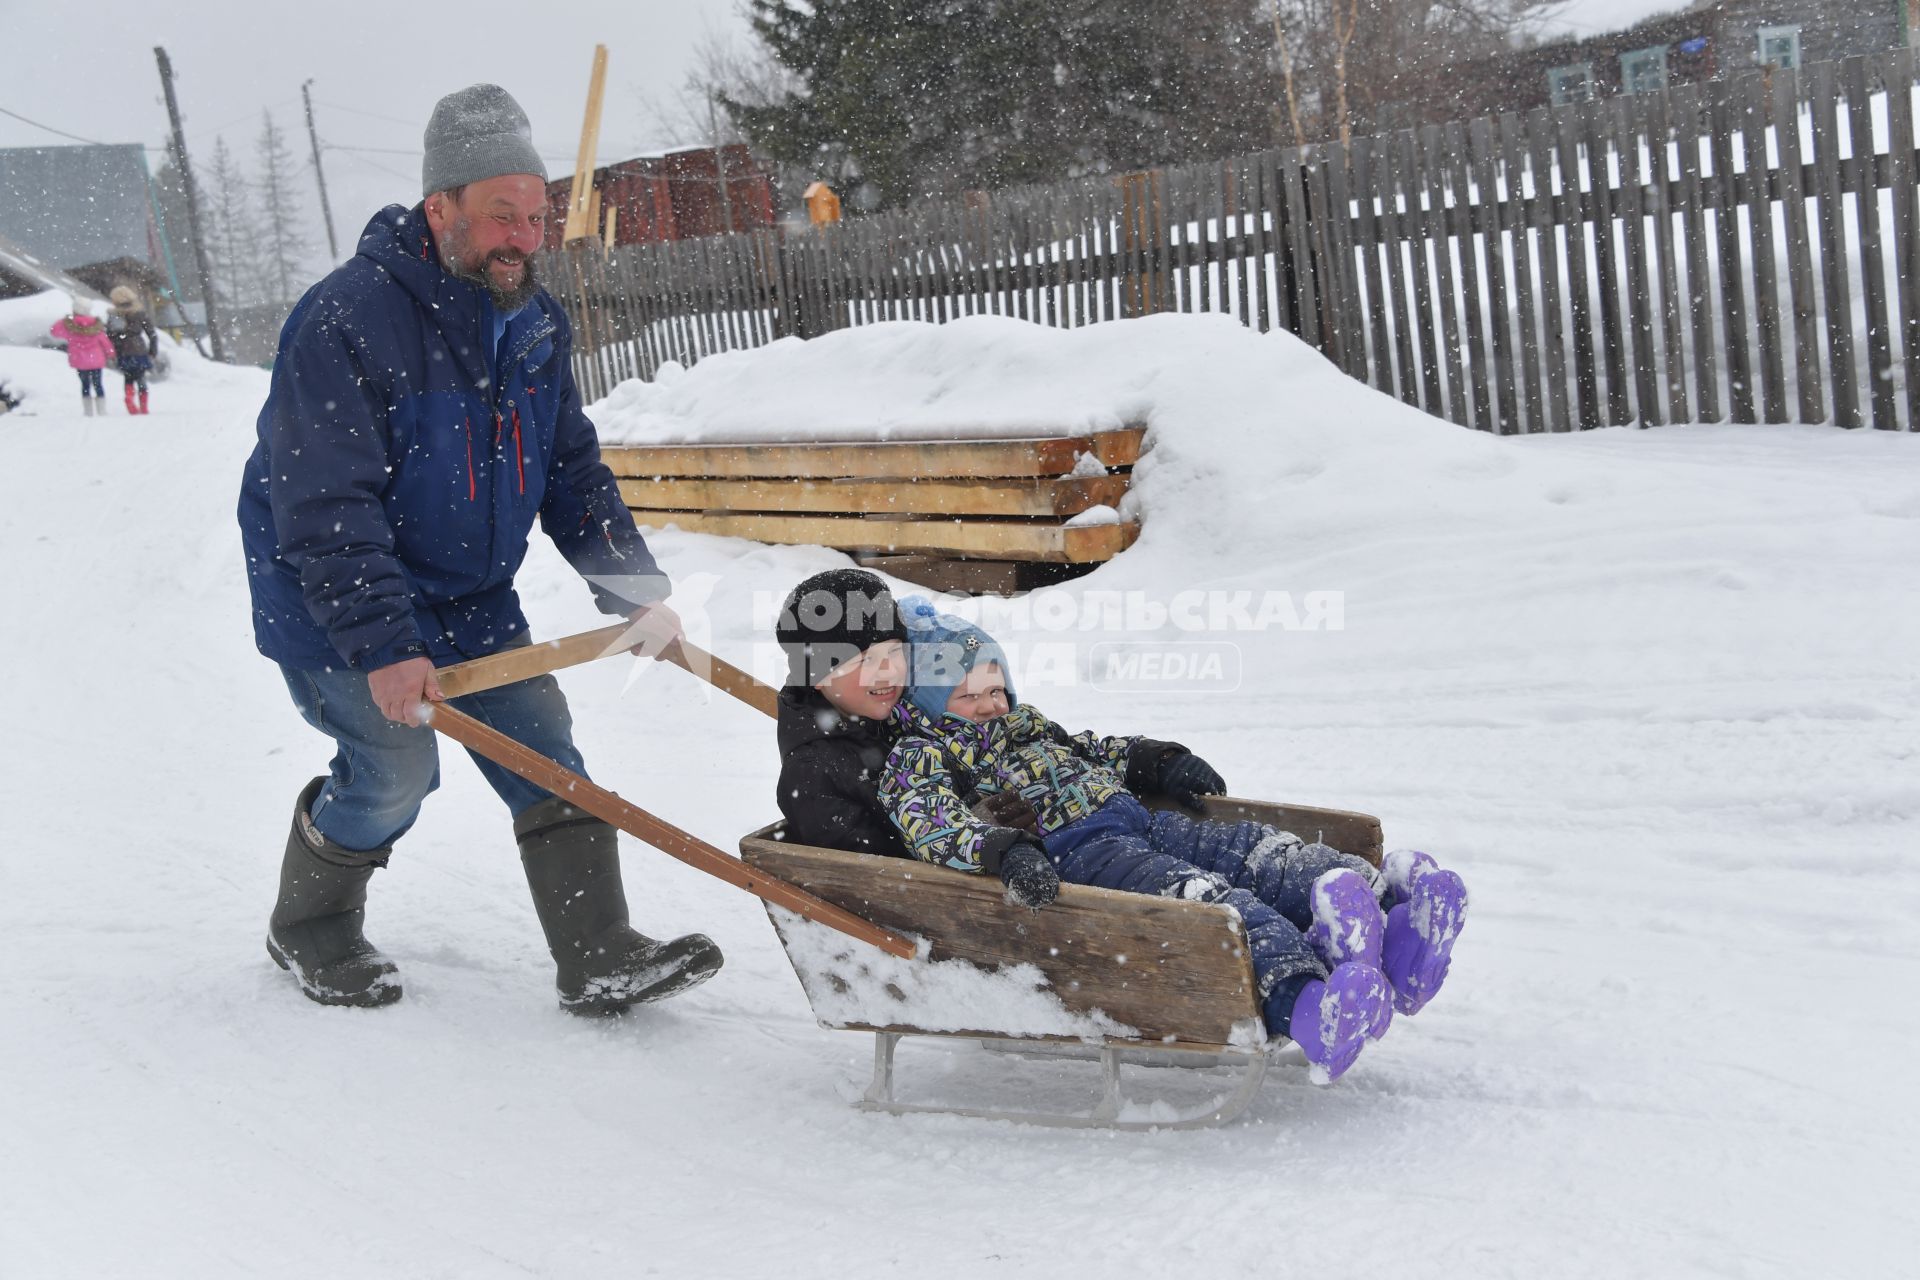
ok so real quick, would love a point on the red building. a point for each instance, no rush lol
(677, 196)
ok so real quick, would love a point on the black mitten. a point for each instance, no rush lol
(1030, 879)
(1186, 777)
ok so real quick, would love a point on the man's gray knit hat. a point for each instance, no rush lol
(477, 133)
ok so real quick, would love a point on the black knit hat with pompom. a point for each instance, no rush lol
(831, 618)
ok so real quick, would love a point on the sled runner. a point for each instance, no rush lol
(1125, 978)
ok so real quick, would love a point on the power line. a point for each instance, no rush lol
(50, 129)
(375, 164)
(200, 134)
(411, 151)
(371, 115)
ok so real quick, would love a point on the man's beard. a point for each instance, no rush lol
(461, 262)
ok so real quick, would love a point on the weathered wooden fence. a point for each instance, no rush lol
(1746, 249)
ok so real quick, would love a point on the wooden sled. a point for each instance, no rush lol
(1123, 977)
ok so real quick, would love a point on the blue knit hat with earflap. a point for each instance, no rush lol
(943, 649)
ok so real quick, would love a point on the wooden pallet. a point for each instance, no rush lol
(979, 515)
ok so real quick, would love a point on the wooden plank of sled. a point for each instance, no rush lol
(1344, 829)
(902, 460)
(1177, 972)
(1187, 994)
(986, 539)
(1001, 496)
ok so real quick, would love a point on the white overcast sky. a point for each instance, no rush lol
(87, 67)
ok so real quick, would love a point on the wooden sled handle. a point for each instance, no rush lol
(664, 836)
(548, 656)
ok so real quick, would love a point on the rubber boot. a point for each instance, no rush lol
(315, 930)
(1331, 1020)
(86, 405)
(1429, 912)
(603, 965)
(143, 401)
(129, 390)
(1349, 925)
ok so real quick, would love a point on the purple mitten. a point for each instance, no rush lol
(1420, 935)
(1331, 1019)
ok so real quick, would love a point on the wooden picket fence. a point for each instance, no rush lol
(1717, 251)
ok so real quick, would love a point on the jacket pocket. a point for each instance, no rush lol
(439, 501)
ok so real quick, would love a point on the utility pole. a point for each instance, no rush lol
(720, 164)
(326, 210)
(193, 207)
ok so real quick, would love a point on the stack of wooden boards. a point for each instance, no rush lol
(964, 515)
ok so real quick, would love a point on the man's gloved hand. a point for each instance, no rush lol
(1030, 879)
(1186, 777)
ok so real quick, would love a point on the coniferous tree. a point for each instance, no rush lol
(233, 237)
(283, 245)
(170, 200)
(936, 98)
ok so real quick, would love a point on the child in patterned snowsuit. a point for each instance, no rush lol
(1331, 965)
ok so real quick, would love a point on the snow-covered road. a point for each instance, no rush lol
(1653, 692)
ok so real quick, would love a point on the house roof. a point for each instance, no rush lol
(32, 274)
(72, 206)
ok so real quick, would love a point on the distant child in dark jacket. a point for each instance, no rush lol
(1331, 964)
(134, 342)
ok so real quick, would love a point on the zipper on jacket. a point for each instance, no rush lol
(519, 454)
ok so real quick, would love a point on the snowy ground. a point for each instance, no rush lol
(1653, 692)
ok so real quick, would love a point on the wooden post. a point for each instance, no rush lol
(209, 299)
(578, 203)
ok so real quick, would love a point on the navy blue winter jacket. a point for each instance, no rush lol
(401, 465)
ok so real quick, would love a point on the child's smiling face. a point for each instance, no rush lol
(870, 684)
(982, 696)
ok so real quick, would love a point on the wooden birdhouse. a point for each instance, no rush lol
(822, 205)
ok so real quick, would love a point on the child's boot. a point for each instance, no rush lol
(1430, 909)
(1330, 1020)
(143, 400)
(1348, 925)
(130, 407)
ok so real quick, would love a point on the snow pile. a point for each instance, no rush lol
(851, 983)
(24, 321)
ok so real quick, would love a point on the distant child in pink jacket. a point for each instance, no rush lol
(89, 350)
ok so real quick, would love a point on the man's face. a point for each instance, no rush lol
(490, 233)
(871, 684)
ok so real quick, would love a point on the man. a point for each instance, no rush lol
(423, 413)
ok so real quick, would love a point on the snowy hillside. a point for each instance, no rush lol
(1652, 692)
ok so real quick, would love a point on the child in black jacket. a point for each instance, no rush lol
(846, 669)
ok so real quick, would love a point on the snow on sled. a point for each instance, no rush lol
(1119, 976)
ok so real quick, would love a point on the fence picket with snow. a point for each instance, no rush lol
(1745, 249)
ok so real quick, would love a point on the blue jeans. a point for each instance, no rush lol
(382, 771)
(90, 384)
